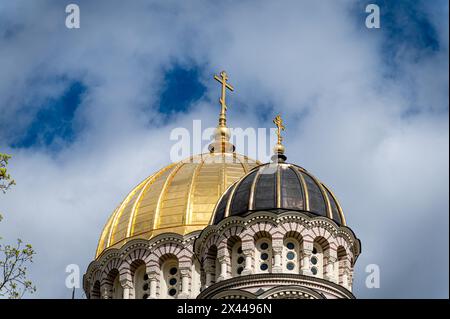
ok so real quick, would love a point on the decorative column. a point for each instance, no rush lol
(223, 262)
(350, 280)
(277, 248)
(345, 272)
(329, 259)
(345, 279)
(127, 289)
(126, 282)
(248, 250)
(223, 258)
(105, 293)
(330, 273)
(184, 273)
(248, 269)
(306, 256)
(277, 268)
(153, 278)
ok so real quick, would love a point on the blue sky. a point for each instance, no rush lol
(366, 111)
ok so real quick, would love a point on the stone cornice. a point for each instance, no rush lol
(280, 279)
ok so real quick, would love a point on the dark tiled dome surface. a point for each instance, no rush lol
(280, 186)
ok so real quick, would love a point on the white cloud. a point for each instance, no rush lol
(307, 60)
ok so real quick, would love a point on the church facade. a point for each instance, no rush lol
(222, 225)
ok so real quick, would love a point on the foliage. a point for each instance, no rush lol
(5, 179)
(13, 258)
(13, 270)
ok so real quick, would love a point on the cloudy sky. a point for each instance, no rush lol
(87, 114)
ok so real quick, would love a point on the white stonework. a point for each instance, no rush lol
(265, 254)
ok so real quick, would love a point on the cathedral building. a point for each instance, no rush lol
(222, 225)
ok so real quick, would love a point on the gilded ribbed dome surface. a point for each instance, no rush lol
(179, 198)
(277, 187)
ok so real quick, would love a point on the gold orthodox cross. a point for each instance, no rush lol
(223, 80)
(280, 127)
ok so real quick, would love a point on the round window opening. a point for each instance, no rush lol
(264, 256)
(240, 260)
(239, 271)
(145, 277)
(290, 255)
(314, 251)
(290, 245)
(314, 270)
(145, 296)
(314, 260)
(172, 292)
(239, 250)
(264, 246)
(145, 287)
(173, 271)
(263, 267)
(172, 281)
(290, 266)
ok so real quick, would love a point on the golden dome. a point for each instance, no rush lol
(179, 198)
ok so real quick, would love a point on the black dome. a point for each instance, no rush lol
(278, 186)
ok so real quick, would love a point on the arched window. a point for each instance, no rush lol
(170, 279)
(237, 256)
(113, 285)
(291, 255)
(319, 256)
(141, 283)
(263, 255)
(117, 289)
(211, 266)
(95, 294)
(316, 261)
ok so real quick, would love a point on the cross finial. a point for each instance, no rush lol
(279, 148)
(280, 127)
(222, 133)
(223, 80)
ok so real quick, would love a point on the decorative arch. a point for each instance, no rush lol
(168, 248)
(234, 230)
(113, 263)
(234, 294)
(212, 240)
(290, 292)
(265, 226)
